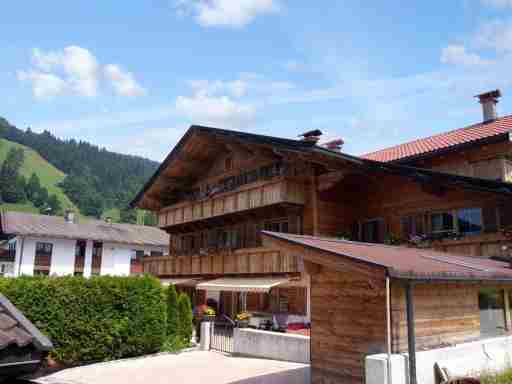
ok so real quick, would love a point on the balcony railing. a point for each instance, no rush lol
(247, 197)
(240, 261)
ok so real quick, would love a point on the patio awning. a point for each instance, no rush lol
(241, 284)
(188, 281)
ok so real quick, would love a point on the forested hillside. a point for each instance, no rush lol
(33, 178)
(97, 180)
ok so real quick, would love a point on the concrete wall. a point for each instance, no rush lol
(115, 257)
(463, 359)
(271, 345)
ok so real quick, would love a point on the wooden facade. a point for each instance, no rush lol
(214, 215)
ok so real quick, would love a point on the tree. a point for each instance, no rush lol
(41, 199)
(10, 179)
(172, 312)
(54, 205)
(33, 187)
(150, 219)
(128, 215)
(185, 317)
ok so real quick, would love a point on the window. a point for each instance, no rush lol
(12, 249)
(97, 253)
(492, 313)
(229, 238)
(372, 231)
(412, 226)
(136, 267)
(469, 220)
(43, 258)
(276, 226)
(228, 164)
(80, 257)
(153, 253)
(442, 222)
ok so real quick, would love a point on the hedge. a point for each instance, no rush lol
(94, 319)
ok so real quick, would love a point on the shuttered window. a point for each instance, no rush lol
(469, 220)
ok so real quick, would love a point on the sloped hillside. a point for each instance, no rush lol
(49, 176)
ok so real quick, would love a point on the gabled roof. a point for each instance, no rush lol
(28, 224)
(498, 129)
(403, 262)
(16, 330)
(314, 152)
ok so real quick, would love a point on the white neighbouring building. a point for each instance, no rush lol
(57, 246)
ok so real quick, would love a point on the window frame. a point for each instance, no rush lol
(41, 252)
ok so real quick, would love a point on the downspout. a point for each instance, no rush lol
(388, 326)
(411, 334)
(22, 248)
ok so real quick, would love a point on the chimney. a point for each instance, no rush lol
(311, 136)
(489, 101)
(69, 216)
(334, 145)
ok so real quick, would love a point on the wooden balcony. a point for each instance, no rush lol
(245, 198)
(241, 261)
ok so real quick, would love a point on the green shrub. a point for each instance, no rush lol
(172, 312)
(185, 317)
(95, 319)
(504, 377)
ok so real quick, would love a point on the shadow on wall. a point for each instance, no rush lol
(291, 376)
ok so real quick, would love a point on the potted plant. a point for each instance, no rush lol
(209, 314)
(242, 319)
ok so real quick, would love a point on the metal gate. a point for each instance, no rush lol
(222, 335)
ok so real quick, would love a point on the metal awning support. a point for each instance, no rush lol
(411, 333)
(240, 284)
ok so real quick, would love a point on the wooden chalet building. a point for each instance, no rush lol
(218, 191)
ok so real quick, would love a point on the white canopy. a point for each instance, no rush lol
(241, 284)
(180, 281)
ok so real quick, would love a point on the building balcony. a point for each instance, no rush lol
(219, 262)
(249, 197)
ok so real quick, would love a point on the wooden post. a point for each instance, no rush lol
(411, 334)
(314, 201)
(506, 302)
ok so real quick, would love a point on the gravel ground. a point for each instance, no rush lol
(195, 367)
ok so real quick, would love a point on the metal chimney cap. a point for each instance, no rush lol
(496, 94)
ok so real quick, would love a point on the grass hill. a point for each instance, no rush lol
(49, 176)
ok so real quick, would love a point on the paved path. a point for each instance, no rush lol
(196, 367)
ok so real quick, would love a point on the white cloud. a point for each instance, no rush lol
(211, 110)
(74, 70)
(498, 3)
(44, 85)
(457, 54)
(123, 82)
(496, 35)
(226, 13)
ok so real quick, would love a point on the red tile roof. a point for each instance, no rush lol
(405, 262)
(443, 141)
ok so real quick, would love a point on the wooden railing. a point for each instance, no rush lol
(241, 261)
(248, 197)
(484, 245)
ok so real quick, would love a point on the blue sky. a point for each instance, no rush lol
(132, 76)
